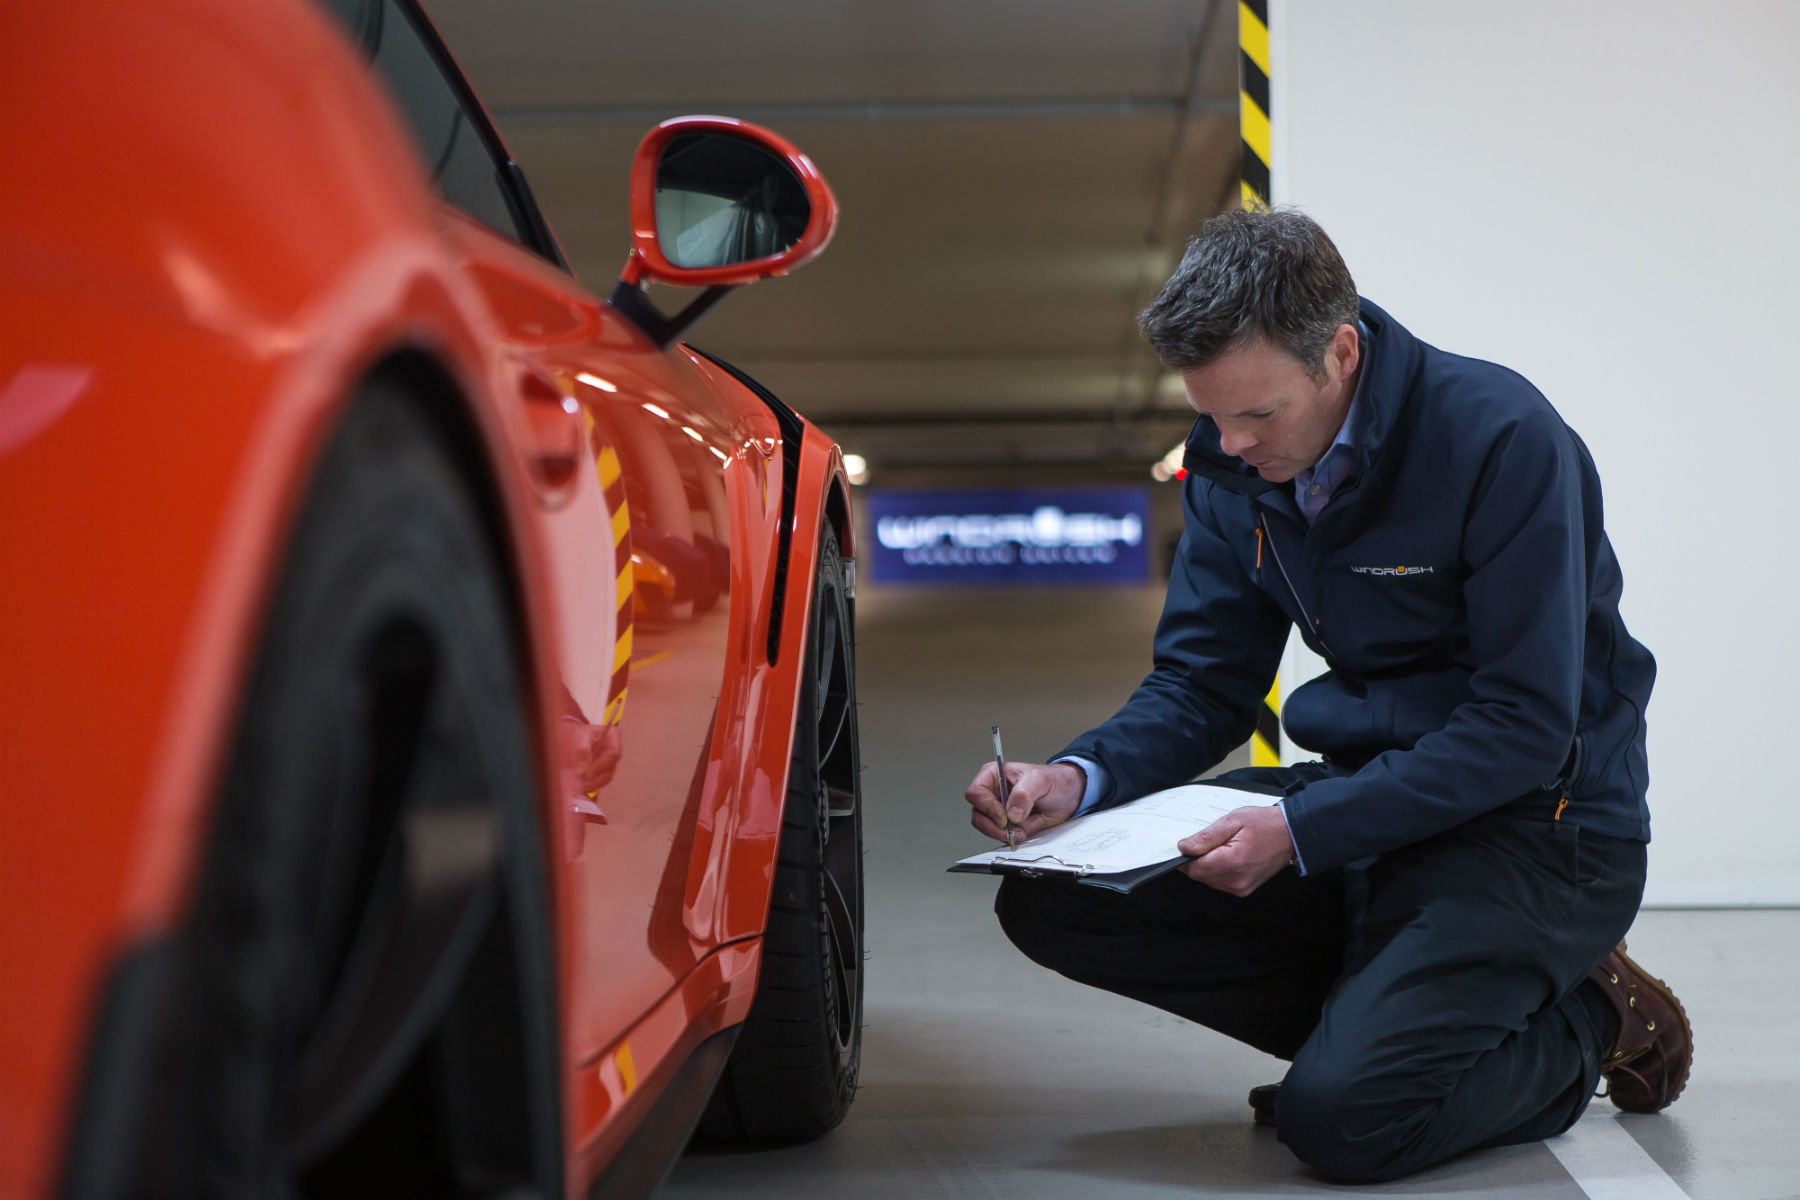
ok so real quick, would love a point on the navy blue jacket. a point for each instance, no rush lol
(1459, 585)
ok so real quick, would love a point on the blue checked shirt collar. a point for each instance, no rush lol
(1313, 487)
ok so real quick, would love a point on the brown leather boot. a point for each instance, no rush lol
(1648, 1066)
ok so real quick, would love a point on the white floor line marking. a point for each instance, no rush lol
(1608, 1164)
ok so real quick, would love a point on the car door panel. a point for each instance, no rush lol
(654, 673)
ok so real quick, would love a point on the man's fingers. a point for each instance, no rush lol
(1210, 838)
(1239, 852)
(1036, 800)
(1029, 827)
(1025, 792)
(983, 795)
(987, 827)
(982, 784)
(1222, 869)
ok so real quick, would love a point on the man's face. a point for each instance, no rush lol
(1270, 412)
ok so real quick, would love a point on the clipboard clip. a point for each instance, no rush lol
(1024, 866)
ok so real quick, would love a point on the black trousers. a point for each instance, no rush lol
(1431, 1000)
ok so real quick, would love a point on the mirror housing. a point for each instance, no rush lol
(652, 258)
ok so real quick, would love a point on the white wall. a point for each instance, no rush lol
(1604, 195)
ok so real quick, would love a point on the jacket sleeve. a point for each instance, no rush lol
(1218, 644)
(1526, 595)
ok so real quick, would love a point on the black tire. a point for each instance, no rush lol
(793, 1072)
(366, 998)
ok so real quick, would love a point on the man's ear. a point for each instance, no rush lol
(1345, 350)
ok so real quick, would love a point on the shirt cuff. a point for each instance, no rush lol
(1299, 863)
(1096, 782)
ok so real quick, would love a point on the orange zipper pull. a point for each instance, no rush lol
(1259, 537)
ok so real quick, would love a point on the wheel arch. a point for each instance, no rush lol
(133, 990)
(439, 375)
(821, 500)
(838, 510)
(446, 404)
(455, 416)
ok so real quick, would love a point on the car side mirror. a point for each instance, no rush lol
(716, 203)
(726, 201)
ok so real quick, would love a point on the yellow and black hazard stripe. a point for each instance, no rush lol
(1253, 101)
(612, 484)
(1265, 740)
(1254, 173)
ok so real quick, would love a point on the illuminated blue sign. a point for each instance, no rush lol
(1012, 536)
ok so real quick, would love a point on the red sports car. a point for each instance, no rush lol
(427, 726)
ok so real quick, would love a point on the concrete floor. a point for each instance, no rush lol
(985, 1076)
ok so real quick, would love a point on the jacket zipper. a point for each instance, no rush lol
(1262, 534)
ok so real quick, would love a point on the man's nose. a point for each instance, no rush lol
(1235, 444)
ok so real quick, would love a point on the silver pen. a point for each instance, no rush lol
(1012, 840)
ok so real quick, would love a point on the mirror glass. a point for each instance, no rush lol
(723, 200)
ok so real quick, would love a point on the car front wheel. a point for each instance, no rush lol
(366, 1002)
(793, 1072)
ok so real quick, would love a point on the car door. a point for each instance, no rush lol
(674, 500)
(641, 539)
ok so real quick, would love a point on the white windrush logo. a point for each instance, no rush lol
(1046, 535)
(1394, 570)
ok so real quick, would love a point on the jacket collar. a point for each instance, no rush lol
(1390, 362)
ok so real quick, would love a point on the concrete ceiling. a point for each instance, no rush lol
(1016, 179)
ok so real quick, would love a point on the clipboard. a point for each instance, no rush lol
(1117, 848)
(1047, 866)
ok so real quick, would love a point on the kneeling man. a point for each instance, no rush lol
(1428, 924)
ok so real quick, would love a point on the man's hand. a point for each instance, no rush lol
(1042, 796)
(1240, 851)
(590, 754)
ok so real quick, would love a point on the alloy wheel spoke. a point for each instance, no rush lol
(840, 918)
(840, 802)
(834, 719)
(828, 648)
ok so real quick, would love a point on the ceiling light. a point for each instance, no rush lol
(857, 468)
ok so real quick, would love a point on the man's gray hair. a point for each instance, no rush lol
(1250, 274)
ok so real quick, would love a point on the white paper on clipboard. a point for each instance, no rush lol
(1139, 834)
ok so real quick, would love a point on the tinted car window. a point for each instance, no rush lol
(449, 138)
(354, 15)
